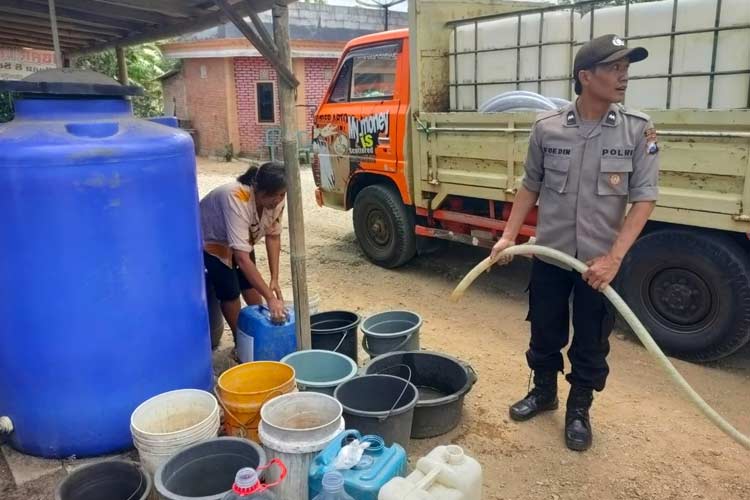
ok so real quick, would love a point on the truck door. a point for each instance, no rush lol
(357, 127)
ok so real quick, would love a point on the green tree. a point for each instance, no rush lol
(145, 64)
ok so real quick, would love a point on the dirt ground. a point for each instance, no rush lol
(649, 442)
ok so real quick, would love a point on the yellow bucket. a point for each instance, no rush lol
(244, 389)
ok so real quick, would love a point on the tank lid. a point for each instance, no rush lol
(69, 81)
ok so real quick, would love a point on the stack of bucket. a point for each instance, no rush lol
(169, 422)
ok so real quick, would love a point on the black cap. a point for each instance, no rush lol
(601, 50)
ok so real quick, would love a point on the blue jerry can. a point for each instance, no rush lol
(378, 465)
(259, 339)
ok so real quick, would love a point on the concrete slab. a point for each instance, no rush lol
(25, 468)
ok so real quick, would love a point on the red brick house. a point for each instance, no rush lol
(228, 92)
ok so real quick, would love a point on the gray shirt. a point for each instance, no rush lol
(585, 179)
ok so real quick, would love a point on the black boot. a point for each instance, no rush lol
(578, 434)
(543, 397)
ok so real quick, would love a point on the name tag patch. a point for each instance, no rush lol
(617, 152)
(556, 151)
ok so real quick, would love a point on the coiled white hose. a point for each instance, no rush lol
(629, 317)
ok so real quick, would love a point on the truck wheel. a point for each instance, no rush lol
(691, 290)
(384, 227)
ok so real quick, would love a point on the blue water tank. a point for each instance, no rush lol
(102, 298)
(260, 339)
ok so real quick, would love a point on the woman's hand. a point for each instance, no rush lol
(502, 244)
(276, 308)
(276, 289)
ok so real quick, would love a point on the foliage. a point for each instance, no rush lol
(145, 64)
(6, 107)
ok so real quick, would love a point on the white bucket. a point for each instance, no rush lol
(168, 422)
(313, 300)
(294, 428)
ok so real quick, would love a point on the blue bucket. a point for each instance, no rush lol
(320, 371)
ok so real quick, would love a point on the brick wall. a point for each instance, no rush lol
(247, 72)
(173, 92)
(205, 90)
(250, 70)
(318, 73)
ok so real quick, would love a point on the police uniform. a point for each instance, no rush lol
(585, 177)
(585, 173)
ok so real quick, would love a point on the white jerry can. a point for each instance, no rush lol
(446, 473)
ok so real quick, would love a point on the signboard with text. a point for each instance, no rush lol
(16, 64)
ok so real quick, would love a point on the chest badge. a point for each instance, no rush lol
(615, 179)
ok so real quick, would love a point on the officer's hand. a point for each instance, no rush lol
(502, 244)
(278, 313)
(602, 271)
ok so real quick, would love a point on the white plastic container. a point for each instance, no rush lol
(165, 424)
(294, 428)
(446, 473)
(692, 53)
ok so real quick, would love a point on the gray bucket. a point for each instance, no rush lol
(320, 371)
(206, 470)
(107, 480)
(391, 331)
(382, 405)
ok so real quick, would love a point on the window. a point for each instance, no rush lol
(265, 101)
(367, 74)
(374, 73)
(341, 89)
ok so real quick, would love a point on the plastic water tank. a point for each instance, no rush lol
(692, 53)
(101, 282)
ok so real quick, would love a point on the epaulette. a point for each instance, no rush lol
(548, 114)
(637, 114)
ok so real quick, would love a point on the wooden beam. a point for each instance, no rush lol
(33, 43)
(173, 8)
(43, 23)
(65, 35)
(287, 100)
(109, 10)
(36, 10)
(268, 52)
(122, 65)
(261, 29)
(160, 33)
(40, 30)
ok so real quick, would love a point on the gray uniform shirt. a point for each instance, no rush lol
(585, 180)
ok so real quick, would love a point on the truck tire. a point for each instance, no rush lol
(384, 227)
(691, 290)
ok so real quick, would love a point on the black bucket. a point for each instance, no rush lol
(442, 382)
(206, 470)
(107, 480)
(335, 331)
(382, 405)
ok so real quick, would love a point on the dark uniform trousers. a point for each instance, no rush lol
(549, 314)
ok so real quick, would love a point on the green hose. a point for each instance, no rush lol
(629, 317)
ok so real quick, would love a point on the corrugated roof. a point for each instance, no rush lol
(93, 25)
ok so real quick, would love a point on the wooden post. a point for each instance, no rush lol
(287, 94)
(122, 65)
(55, 36)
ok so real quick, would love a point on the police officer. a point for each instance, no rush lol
(585, 163)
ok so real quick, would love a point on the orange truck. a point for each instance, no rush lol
(392, 141)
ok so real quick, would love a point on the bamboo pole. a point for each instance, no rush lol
(122, 65)
(287, 98)
(55, 36)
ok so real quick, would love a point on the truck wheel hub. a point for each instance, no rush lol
(378, 227)
(680, 296)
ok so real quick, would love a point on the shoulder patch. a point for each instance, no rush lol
(241, 194)
(637, 114)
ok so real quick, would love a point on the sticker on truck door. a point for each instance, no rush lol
(344, 142)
